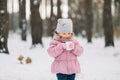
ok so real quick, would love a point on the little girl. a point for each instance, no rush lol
(65, 50)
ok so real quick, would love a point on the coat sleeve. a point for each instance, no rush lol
(78, 50)
(55, 50)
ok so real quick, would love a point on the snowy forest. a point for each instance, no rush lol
(27, 27)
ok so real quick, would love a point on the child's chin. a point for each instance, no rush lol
(65, 38)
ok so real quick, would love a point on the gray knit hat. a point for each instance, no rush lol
(64, 25)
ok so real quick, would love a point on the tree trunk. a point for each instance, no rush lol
(117, 12)
(51, 21)
(70, 9)
(36, 22)
(11, 18)
(107, 24)
(3, 27)
(23, 23)
(89, 19)
(74, 14)
(59, 14)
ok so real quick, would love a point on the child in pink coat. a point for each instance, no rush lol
(65, 50)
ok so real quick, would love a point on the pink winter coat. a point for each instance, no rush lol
(65, 61)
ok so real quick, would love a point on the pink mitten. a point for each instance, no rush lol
(64, 45)
(69, 45)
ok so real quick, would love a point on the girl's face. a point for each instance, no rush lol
(65, 35)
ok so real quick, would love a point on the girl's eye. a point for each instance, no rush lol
(60, 36)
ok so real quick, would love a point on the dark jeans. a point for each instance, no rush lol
(61, 76)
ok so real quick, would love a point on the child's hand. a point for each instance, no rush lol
(64, 45)
(69, 45)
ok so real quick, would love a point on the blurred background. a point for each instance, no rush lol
(38, 18)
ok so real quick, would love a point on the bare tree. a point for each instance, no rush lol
(11, 18)
(3, 27)
(51, 22)
(98, 7)
(36, 22)
(117, 12)
(59, 14)
(76, 13)
(69, 9)
(89, 19)
(107, 23)
(22, 18)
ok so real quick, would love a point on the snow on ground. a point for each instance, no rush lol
(97, 62)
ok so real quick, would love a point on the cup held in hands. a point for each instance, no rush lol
(69, 45)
